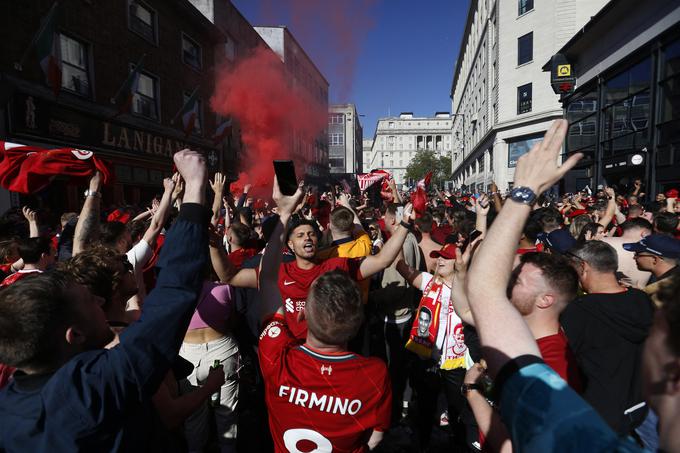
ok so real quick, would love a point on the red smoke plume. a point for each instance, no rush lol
(277, 120)
(330, 32)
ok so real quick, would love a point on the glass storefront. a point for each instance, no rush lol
(629, 113)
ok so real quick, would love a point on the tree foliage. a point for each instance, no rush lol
(429, 160)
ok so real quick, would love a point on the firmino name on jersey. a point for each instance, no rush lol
(323, 403)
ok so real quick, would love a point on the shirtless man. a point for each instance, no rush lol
(633, 230)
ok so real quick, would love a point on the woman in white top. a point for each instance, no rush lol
(437, 338)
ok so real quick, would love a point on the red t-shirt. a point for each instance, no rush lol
(439, 233)
(239, 256)
(15, 277)
(558, 355)
(294, 284)
(321, 402)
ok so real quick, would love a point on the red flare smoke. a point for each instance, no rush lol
(274, 116)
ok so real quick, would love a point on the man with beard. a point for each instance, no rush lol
(296, 277)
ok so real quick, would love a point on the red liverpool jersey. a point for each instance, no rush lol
(321, 402)
(15, 277)
(294, 284)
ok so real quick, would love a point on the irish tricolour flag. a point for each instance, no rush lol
(46, 47)
(189, 113)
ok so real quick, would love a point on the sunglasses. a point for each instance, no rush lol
(642, 255)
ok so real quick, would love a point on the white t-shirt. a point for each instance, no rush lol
(139, 256)
(443, 312)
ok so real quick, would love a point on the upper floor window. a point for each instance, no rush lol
(336, 139)
(142, 20)
(336, 118)
(191, 52)
(525, 48)
(525, 6)
(74, 59)
(145, 99)
(524, 97)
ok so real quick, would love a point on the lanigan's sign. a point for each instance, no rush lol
(136, 140)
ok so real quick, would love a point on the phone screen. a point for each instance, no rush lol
(400, 213)
(285, 173)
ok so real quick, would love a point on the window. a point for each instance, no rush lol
(337, 162)
(142, 20)
(336, 118)
(337, 139)
(525, 6)
(525, 48)
(191, 52)
(520, 147)
(391, 124)
(74, 65)
(198, 122)
(145, 100)
(524, 99)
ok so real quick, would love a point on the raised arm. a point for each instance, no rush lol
(87, 228)
(217, 186)
(225, 269)
(413, 276)
(32, 218)
(270, 295)
(162, 213)
(147, 348)
(482, 207)
(496, 319)
(611, 207)
(389, 252)
(458, 289)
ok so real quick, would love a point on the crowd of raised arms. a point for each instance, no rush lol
(331, 321)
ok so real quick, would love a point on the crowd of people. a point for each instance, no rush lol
(329, 320)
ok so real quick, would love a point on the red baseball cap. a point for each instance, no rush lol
(448, 252)
(672, 193)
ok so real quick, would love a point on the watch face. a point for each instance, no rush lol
(523, 195)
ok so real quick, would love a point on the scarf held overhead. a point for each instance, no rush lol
(29, 169)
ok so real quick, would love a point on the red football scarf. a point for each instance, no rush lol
(426, 325)
(453, 344)
(29, 169)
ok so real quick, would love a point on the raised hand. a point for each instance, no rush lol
(538, 168)
(218, 182)
(29, 214)
(168, 185)
(482, 205)
(286, 203)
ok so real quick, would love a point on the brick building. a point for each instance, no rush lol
(98, 44)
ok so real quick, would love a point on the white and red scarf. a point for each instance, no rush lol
(453, 347)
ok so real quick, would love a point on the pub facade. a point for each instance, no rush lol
(98, 45)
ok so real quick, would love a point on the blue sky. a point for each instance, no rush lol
(404, 62)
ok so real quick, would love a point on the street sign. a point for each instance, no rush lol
(562, 76)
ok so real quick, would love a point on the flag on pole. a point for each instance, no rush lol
(366, 180)
(126, 92)
(223, 130)
(47, 50)
(419, 197)
(189, 113)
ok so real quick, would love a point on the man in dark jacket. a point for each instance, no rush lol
(70, 394)
(606, 329)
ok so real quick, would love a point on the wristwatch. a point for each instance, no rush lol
(523, 195)
(92, 193)
(465, 388)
